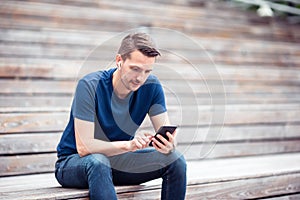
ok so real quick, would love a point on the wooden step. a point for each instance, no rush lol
(84, 20)
(45, 142)
(230, 177)
(86, 38)
(188, 116)
(179, 87)
(23, 103)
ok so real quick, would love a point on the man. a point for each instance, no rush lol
(99, 147)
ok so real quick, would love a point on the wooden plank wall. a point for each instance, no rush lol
(44, 43)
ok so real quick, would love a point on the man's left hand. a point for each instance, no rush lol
(167, 146)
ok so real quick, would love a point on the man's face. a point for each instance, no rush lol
(135, 70)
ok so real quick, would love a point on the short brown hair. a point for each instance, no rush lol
(138, 41)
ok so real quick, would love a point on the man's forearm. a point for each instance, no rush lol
(106, 148)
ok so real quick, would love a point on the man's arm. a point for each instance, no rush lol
(167, 146)
(86, 143)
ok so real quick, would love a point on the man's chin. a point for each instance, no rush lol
(135, 87)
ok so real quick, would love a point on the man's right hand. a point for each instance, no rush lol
(139, 142)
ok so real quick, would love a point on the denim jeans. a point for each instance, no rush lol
(100, 173)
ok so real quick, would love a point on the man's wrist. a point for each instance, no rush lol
(126, 146)
(172, 150)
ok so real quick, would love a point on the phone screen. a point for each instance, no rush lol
(163, 132)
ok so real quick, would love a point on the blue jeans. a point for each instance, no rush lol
(100, 173)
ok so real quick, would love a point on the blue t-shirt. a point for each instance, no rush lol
(115, 119)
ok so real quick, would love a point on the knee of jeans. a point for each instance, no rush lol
(180, 164)
(97, 161)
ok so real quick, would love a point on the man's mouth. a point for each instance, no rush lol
(135, 83)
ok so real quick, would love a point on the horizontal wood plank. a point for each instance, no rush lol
(286, 197)
(32, 122)
(214, 178)
(29, 143)
(74, 52)
(241, 189)
(177, 86)
(227, 150)
(211, 171)
(186, 116)
(27, 164)
(63, 69)
(66, 16)
(247, 189)
(54, 103)
(38, 163)
(52, 37)
(26, 143)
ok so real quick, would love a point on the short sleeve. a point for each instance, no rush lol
(158, 104)
(84, 101)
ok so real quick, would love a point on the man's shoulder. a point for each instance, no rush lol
(152, 79)
(94, 77)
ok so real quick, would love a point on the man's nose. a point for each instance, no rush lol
(141, 76)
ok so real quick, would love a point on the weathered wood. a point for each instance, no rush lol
(22, 103)
(180, 9)
(87, 38)
(188, 116)
(177, 86)
(81, 52)
(29, 143)
(64, 52)
(247, 189)
(69, 53)
(65, 70)
(211, 171)
(214, 178)
(27, 164)
(37, 86)
(241, 189)
(252, 153)
(285, 197)
(46, 142)
(32, 122)
(30, 164)
(194, 151)
(67, 15)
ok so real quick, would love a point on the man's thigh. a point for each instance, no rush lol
(72, 171)
(140, 166)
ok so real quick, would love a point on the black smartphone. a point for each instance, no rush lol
(163, 132)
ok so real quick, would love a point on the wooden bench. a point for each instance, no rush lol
(251, 151)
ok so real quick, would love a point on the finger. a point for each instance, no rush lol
(174, 134)
(171, 137)
(155, 145)
(137, 143)
(143, 140)
(168, 145)
(165, 142)
(148, 134)
(164, 148)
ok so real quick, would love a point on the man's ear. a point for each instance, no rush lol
(119, 64)
(118, 61)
